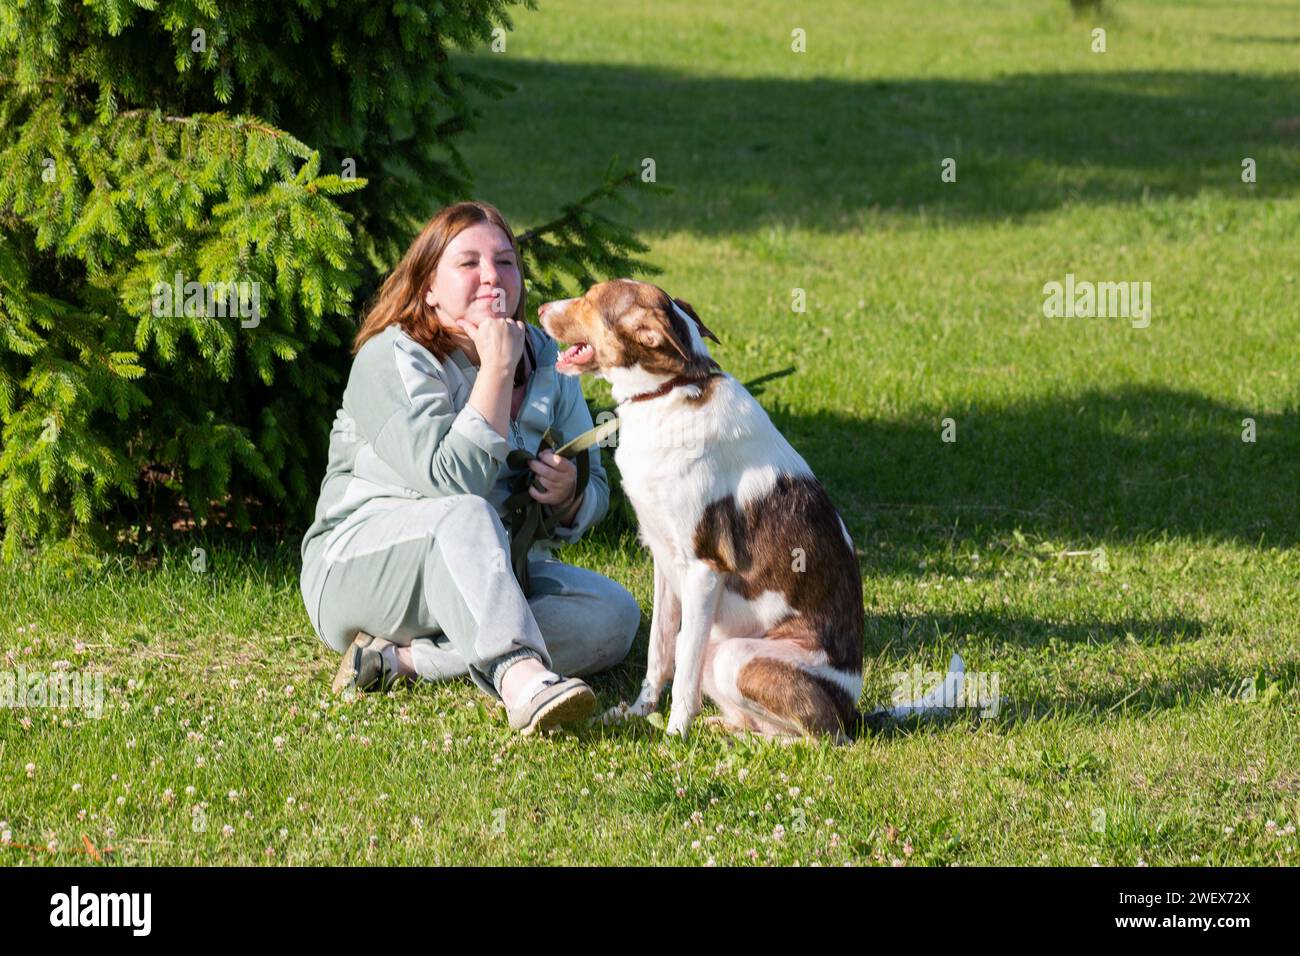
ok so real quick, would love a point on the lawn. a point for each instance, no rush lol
(1098, 535)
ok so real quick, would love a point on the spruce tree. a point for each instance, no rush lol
(196, 199)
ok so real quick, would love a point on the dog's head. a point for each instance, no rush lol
(631, 326)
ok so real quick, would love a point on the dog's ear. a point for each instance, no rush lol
(704, 329)
(649, 336)
(653, 337)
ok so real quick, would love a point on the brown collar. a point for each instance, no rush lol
(669, 385)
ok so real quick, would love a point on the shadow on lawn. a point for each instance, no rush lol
(901, 632)
(747, 153)
(1180, 687)
(1081, 469)
(1077, 470)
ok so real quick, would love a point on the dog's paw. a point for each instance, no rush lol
(643, 707)
(616, 714)
(624, 711)
(678, 726)
(720, 724)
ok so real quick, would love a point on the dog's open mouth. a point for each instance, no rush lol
(579, 354)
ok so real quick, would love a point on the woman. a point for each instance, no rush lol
(406, 569)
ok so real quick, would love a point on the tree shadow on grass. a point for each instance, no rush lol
(1097, 466)
(1181, 687)
(902, 631)
(747, 153)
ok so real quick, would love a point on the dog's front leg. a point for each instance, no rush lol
(701, 588)
(665, 623)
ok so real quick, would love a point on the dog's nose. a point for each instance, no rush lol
(541, 309)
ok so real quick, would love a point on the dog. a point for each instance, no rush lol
(757, 592)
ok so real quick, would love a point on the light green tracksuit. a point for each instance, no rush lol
(409, 542)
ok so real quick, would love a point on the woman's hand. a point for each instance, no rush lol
(499, 342)
(559, 478)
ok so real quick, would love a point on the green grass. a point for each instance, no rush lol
(820, 171)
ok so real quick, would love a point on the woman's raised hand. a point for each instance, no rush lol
(499, 342)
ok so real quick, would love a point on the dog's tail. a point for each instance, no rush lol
(939, 700)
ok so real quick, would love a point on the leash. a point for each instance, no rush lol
(529, 518)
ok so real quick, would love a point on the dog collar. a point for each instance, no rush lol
(669, 385)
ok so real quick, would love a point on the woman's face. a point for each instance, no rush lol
(477, 278)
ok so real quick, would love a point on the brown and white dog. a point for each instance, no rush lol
(757, 594)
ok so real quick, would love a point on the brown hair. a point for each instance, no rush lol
(400, 300)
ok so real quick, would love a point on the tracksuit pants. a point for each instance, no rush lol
(434, 574)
